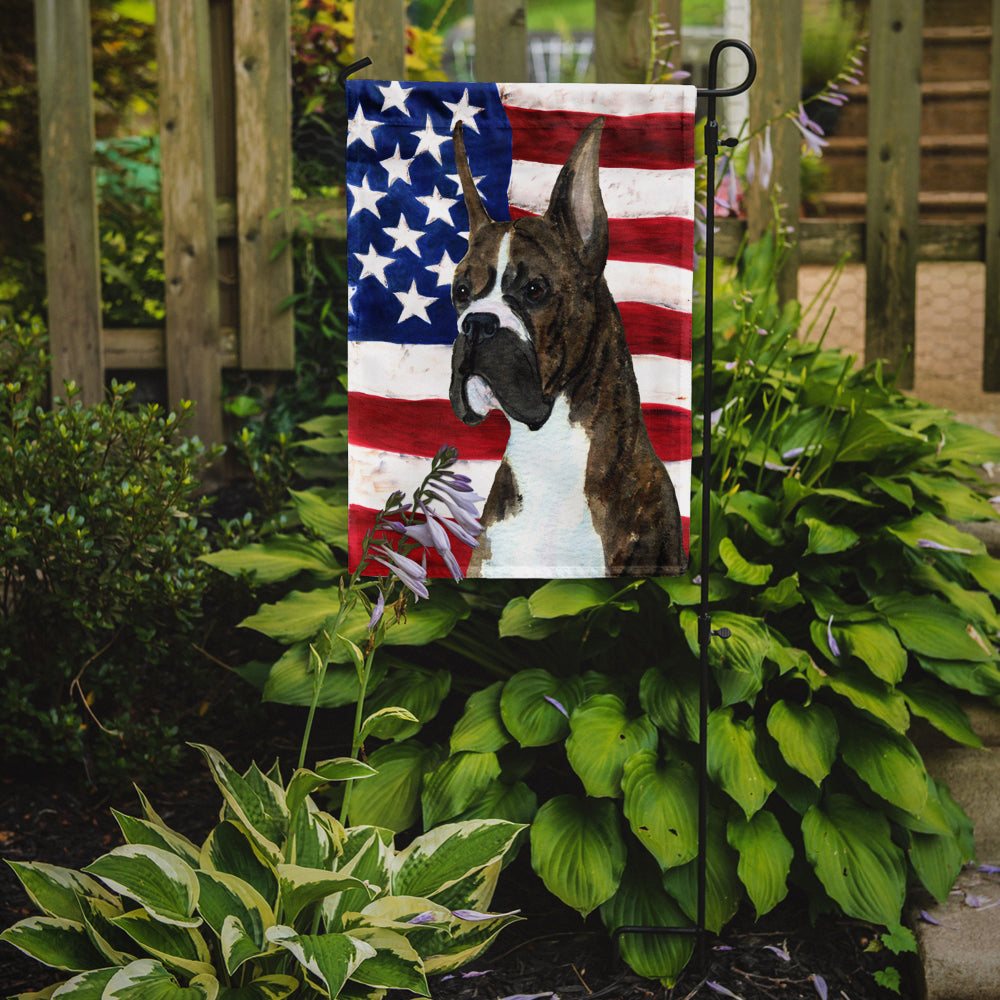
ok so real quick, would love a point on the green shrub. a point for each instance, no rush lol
(280, 899)
(99, 541)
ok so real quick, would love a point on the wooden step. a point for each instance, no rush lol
(958, 206)
(956, 53)
(940, 13)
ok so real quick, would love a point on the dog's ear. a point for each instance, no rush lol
(473, 203)
(576, 207)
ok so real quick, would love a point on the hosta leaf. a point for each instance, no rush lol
(661, 799)
(601, 739)
(280, 557)
(783, 595)
(301, 887)
(441, 857)
(876, 646)
(54, 941)
(274, 987)
(870, 435)
(180, 948)
(291, 680)
(417, 690)
(928, 528)
(330, 959)
(141, 831)
(516, 803)
(958, 502)
(558, 598)
(517, 620)
(456, 784)
(641, 901)
(304, 782)
(888, 763)
(937, 858)
(671, 699)
(936, 704)
(739, 569)
(391, 798)
(732, 760)
(530, 706)
(976, 678)
(395, 964)
(827, 539)
(481, 728)
(324, 519)
(56, 891)
(738, 661)
(850, 848)
(227, 897)
(931, 628)
(86, 986)
(147, 979)
(986, 571)
(758, 511)
(866, 692)
(466, 941)
(765, 858)
(723, 889)
(807, 736)
(388, 723)
(578, 851)
(366, 855)
(159, 881)
(230, 849)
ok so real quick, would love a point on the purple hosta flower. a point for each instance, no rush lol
(812, 134)
(411, 574)
(531, 996)
(465, 975)
(927, 918)
(719, 988)
(431, 535)
(761, 164)
(831, 642)
(780, 952)
(377, 612)
(727, 197)
(460, 502)
(927, 543)
(475, 915)
(558, 705)
(427, 917)
(820, 983)
(990, 869)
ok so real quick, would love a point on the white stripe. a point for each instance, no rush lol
(600, 99)
(654, 284)
(423, 371)
(374, 475)
(628, 192)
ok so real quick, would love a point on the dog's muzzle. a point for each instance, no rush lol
(493, 363)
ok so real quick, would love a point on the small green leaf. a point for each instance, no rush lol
(481, 727)
(828, 539)
(559, 598)
(671, 699)
(932, 628)
(765, 858)
(807, 736)
(732, 760)
(739, 569)
(535, 706)
(888, 763)
(391, 798)
(936, 704)
(279, 558)
(456, 784)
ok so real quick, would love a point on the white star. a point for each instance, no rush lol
(457, 181)
(414, 304)
(397, 168)
(360, 128)
(351, 289)
(444, 269)
(430, 141)
(365, 197)
(463, 112)
(395, 97)
(404, 236)
(372, 263)
(438, 207)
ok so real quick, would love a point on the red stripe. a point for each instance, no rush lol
(652, 329)
(362, 519)
(649, 142)
(421, 426)
(650, 240)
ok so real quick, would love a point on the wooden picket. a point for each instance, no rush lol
(226, 160)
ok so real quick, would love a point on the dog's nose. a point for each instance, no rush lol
(480, 326)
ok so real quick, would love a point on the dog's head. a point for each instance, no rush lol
(525, 293)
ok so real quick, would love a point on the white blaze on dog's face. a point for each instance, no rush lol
(523, 289)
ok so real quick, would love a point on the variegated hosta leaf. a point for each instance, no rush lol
(300, 887)
(304, 782)
(177, 947)
(602, 737)
(116, 946)
(661, 799)
(456, 784)
(366, 855)
(467, 940)
(395, 964)
(86, 986)
(475, 891)
(807, 736)
(56, 891)
(850, 847)
(642, 902)
(329, 959)
(732, 760)
(158, 880)
(256, 801)
(578, 851)
(441, 857)
(225, 897)
(274, 987)
(147, 979)
(481, 727)
(230, 849)
(54, 941)
(141, 831)
(765, 858)
(315, 838)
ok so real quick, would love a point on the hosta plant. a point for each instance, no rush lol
(279, 900)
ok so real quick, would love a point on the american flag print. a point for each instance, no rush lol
(408, 228)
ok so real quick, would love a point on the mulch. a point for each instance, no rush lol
(58, 820)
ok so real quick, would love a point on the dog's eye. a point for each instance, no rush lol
(461, 291)
(536, 290)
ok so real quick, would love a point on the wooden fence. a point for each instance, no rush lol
(226, 160)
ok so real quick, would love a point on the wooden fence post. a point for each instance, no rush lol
(501, 41)
(262, 60)
(380, 34)
(622, 40)
(893, 183)
(72, 255)
(776, 35)
(991, 333)
(190, 251)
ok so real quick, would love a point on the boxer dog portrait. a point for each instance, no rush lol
(580, 489)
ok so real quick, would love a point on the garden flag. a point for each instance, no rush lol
(520, 280)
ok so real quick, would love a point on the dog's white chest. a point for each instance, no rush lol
(552, 533)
